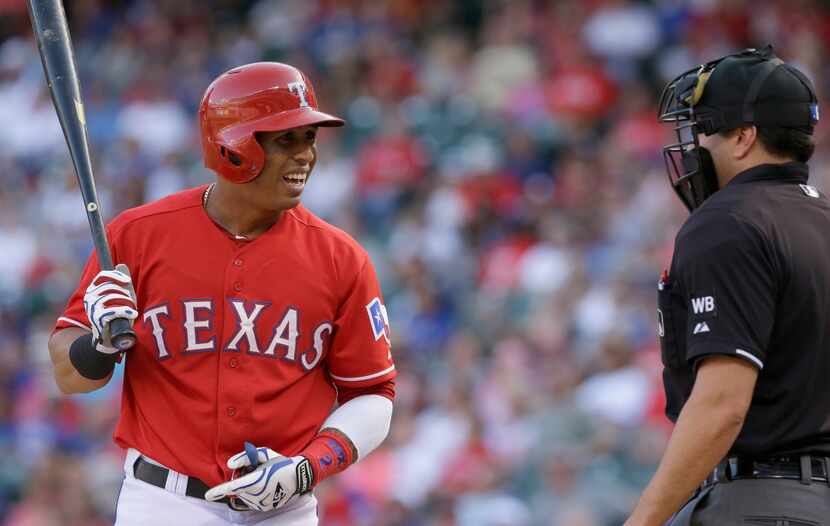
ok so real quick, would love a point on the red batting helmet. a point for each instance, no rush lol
(259, 97)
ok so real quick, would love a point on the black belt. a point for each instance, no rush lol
(157, 476)
(805, 468)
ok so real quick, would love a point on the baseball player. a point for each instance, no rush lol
(263, 364)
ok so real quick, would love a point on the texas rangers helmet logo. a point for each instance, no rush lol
(300, 89)
(378, 318)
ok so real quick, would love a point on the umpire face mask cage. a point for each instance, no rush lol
(753, 87)
(689, 166)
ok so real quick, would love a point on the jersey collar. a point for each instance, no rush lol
(796, 173)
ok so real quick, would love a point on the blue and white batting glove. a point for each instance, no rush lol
(271, 485)
(110, 295)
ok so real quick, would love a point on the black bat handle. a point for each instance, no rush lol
(122, 334)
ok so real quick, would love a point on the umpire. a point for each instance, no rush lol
(744, 312)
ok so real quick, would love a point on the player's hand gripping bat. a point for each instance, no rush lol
(55, 47)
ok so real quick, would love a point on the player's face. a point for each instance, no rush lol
(290, 156)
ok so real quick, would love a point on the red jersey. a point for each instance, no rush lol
(238, 340)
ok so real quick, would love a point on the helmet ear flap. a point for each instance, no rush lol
(242, 163)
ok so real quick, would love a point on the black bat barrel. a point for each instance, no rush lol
(55, 46)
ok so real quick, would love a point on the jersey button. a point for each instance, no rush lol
(237, 286)
(237, 262)
(231, 411)
(233, 363)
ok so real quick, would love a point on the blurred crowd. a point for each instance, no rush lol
(502, 166)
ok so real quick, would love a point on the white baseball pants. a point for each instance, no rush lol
(143, 504)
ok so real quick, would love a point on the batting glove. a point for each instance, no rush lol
(275, 480)
(109, 296)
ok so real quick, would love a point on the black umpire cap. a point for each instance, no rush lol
(753, 87)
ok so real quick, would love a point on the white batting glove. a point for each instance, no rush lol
(109, 296)
(272, 484)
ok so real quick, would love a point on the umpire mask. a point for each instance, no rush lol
(689, 166)
(752, 87)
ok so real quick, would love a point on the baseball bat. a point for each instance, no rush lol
(55, 47)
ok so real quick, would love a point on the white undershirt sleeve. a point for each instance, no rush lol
(365, 420)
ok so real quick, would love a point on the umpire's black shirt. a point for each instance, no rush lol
(750, 278)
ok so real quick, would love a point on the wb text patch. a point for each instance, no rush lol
(703, 306)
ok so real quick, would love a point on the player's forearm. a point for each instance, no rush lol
(351, 432)
(365, 420)
(706, 429)
(68, 379)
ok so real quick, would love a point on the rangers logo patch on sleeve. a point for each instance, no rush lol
(378, 319)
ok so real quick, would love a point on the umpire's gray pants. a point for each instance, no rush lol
(758, 502)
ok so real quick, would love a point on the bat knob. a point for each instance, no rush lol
(126, 342)
(122, 334)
